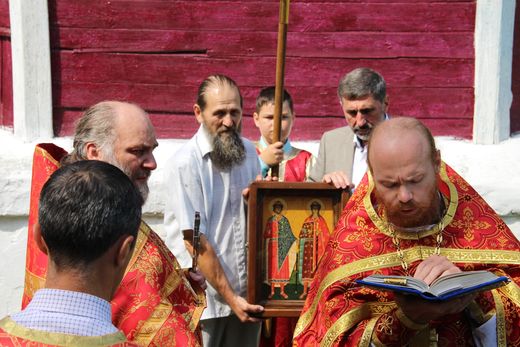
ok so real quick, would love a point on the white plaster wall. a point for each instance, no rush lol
(494, 170)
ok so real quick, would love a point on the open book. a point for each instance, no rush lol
(443, 288)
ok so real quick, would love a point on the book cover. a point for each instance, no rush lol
(443, 288)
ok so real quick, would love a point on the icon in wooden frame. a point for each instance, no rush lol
(289, 224)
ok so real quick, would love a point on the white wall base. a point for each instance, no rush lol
(493, 170)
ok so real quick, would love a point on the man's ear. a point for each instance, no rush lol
(93, 152)
(38, 238)
(437, 161)
(198, 113)
(125, 250)
(385, 104)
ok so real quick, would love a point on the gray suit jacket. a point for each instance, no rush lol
(336, 154)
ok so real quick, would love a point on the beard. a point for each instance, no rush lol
(424, 214)
(135, 176)
(363, 132)
(228, 149)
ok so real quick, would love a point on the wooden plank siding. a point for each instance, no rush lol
(6, 79)
(155, 53)
(515, 78)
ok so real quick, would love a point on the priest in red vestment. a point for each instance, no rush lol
(89, 216)
(157, 304)
(412, 215)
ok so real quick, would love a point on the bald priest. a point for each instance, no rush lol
(412, 215)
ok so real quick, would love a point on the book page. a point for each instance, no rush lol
(461, 280)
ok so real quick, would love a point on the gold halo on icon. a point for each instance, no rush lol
(271, 203)
(309, 203)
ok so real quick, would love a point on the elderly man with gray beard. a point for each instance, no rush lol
(157, 302)
(208, 174)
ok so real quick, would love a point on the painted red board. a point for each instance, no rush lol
(263, 16)
(515, 88)
(4, 14)
(6, 83)
(187, 70)
(185, 126)
(309, 101)
(434, 69)
(301, 44)
(331, 1)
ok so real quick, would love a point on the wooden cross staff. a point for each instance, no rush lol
(280, 72)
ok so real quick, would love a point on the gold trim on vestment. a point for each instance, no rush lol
(150, 327)
(142, 237)
(501, 322)
(383, 225)
(32, 283)
(343, 272)
(45, 154)
(354, 316)
(511, 291)
(366, 338)
(155, 321)
(59, 339)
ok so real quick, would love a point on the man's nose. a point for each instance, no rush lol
(149, 162)
(227, 121)
(360, 119)
(404, 194)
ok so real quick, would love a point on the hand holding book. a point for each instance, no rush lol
(443, 288)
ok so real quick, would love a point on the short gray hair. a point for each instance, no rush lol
(361, 82)
(96, 125)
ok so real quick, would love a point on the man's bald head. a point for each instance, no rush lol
(395, 132)
(404, 164)
(119, 133)
(98, 125)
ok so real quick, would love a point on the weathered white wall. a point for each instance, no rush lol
(494, 31)
(31, 59)
(494, 170)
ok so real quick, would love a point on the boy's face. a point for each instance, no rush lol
(264, 122)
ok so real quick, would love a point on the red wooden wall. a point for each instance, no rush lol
(515, 107)
(155, 53)
(6, 80)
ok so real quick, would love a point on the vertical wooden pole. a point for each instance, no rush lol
(280, 73)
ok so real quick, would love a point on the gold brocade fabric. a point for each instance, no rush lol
(155, 304)
(15, 335)
(339, 312)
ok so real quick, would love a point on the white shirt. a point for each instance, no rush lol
(359, 164)
(193, 183)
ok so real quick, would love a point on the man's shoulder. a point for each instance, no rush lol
(249, 145)
(185, 155)
(338, 132)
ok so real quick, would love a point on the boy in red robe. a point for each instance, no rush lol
(294, 163)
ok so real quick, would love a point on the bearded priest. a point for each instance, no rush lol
(412, 215)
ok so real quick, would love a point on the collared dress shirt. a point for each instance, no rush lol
(67, 312)
(194, 183)
(359, 164)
